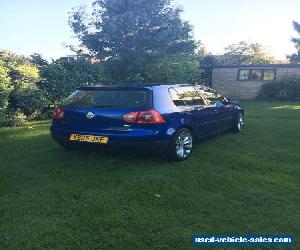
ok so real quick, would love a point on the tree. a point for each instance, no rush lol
(19, 91)
(38, 60)
(295, 58)
(177, 68)
(128, 35)
(206, 66)
(61, 78)
(246, 53)
(5, 88)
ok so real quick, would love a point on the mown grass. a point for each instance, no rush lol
(233, 183)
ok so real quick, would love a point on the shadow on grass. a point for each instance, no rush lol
(117, 154)
(41, 146)
(38, 144)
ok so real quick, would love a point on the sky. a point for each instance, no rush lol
(28, 26)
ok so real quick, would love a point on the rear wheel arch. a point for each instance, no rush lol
(192, 129)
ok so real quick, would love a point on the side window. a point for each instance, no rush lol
(186, 96)
(212, 96)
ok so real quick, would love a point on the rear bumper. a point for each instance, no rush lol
(136, 143)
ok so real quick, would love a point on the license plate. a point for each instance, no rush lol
(89, 138)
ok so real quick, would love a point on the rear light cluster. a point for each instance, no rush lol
(144, 117)
(58, 114)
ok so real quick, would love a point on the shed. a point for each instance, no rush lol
(245, 81)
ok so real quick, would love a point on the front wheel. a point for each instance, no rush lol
(238, 123)
(180, 146)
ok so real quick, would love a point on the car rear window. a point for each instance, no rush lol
(108, 98)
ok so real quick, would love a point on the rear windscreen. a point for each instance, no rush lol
(107, 98)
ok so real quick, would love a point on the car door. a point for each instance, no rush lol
(194, 110)
(226, 114)
(207, 119)
(223, 114)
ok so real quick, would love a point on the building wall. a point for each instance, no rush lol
(225, 80)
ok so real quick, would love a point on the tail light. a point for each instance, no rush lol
(58, 114)
(144, 117)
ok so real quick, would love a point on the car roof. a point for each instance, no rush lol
(133, 86)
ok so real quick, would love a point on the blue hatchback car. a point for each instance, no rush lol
(163, 118)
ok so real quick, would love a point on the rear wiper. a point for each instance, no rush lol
(105, 106)
(113, 106)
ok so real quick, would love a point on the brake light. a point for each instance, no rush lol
(144, 117)
(58, 114)
(131, 117)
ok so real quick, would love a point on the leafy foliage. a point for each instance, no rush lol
(38, 60)
(20, 94)
(60, 78)
(15, 119)
(5, 87)
(30, 87)
(120, 41)
(206, 67)
(246, 53)
(285, 89)
(295, 58)
(177, 68)
(130, 35)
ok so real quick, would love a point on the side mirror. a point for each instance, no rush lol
(234, 102)
(219, 104)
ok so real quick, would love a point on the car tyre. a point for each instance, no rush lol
(181, 145)
(238, 123)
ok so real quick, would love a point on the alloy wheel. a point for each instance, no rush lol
(184, 144)
(240, 123)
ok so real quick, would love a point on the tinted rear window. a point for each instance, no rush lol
(108, 98)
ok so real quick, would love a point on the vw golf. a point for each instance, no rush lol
(164, 118)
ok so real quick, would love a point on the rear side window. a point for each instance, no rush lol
(108, 98)
(185, 96)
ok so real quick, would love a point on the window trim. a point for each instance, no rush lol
(250, 72)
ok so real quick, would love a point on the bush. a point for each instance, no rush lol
(29, 101)
(287, 89)
(5, 87)
(15, 119)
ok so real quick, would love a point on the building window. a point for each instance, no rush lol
(269, 74)
(256, 75)
(244, 74)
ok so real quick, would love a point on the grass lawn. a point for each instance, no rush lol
(233, 183)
